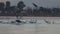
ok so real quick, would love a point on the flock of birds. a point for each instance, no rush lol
(18, 22)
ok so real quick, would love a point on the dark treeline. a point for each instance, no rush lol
(7, 10)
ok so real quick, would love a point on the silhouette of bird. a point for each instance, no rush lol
(34, 4)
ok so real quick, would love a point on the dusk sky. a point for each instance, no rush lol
(44, 3)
